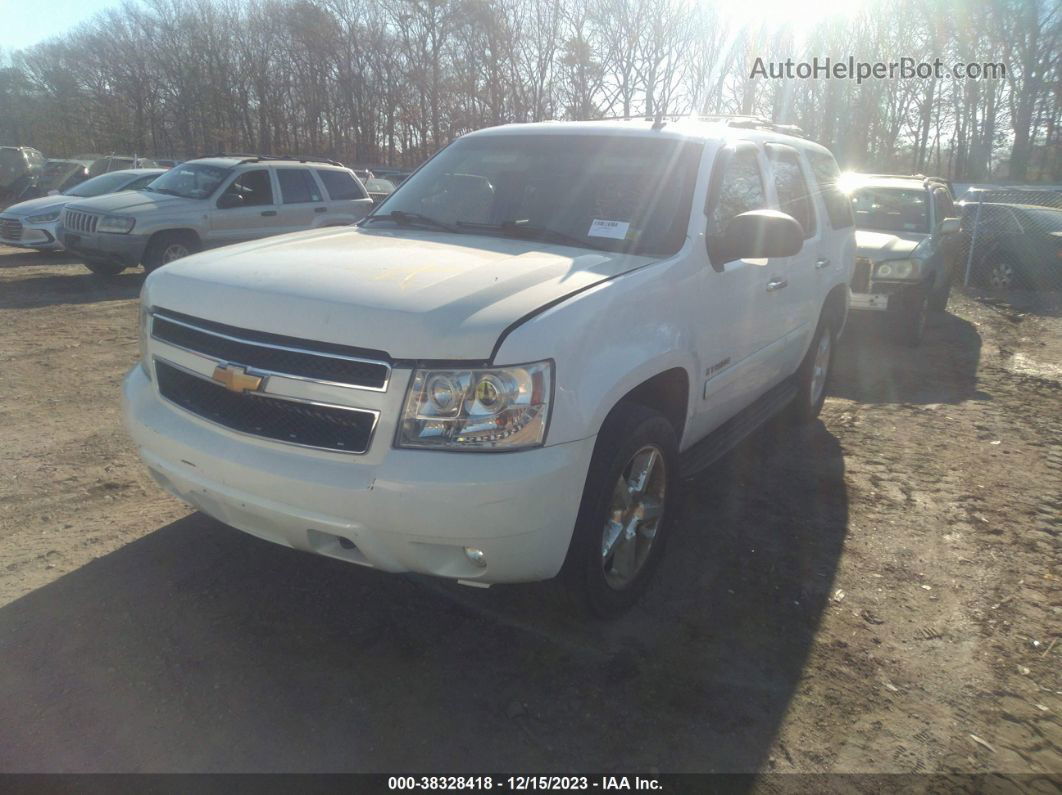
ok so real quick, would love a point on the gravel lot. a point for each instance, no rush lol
(879, 592)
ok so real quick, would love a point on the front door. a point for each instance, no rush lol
(733, 340)
(245, 210)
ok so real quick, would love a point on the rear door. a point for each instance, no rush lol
(302, 203)
(347, 198)
(254, 213)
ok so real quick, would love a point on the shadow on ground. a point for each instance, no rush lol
(68, 288)
(872, 367)
(198, 648)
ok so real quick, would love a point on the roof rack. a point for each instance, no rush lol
(245, 157)
(744, 122)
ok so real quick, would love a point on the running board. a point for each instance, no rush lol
(728, 435)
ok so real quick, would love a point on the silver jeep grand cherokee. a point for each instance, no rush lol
(210, 202)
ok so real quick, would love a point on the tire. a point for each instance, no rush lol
(813, 375)
(167, 247)
(909, 323)
(614, 551)
(104, 268)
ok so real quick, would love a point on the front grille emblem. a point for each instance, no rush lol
(236, 379)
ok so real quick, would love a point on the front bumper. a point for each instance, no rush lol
(396, 510)
(40, 237)
(884, 296)
(127, 250)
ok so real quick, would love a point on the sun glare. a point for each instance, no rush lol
(798, 17)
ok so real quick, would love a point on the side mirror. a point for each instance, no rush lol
(950, 226)
(229, 200)
(758, 234)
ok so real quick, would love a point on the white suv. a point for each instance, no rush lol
(210, 202)
(503, 372)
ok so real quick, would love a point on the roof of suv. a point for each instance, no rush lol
(677, 128)
(231, 161)
(909, 181)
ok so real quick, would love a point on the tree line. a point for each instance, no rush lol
(390, 81)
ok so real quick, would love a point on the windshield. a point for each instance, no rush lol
(97, 186)
(618, 193)
(10, 157)
(891, 209)
(379, 186)
(190, 180)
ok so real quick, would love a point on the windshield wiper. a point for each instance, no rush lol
(523, 229)
(167, 191)
(402, 218)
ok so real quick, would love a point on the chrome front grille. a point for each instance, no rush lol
(275, 354)
(10, 228)
(304, 423)
(74, 221)
(313, 414)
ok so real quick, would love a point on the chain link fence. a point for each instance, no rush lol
(1010, 239)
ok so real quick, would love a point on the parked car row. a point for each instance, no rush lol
(35, 223)
(26, 174)
(125, 218)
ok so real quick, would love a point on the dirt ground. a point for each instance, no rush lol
(879, 592)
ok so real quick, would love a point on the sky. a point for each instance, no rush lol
(26, 22)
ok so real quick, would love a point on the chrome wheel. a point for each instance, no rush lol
(634, 517)
(820, 368)
(174, 251)
(1001, 276)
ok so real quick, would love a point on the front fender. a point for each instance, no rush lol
(605, 341)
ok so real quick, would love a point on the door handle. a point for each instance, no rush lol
(821, 263)
(269, 212)
(776, 283)
(320, 209)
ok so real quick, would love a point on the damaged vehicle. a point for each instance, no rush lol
(906, 228)
(492, 382)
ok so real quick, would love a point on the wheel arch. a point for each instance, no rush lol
(183, 231)
(667, 392)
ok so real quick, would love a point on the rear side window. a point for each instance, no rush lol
(297, 186)
(793, 195)
(340, 185)
(827, 175)
(740, 190)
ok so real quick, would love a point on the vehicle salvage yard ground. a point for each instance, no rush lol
(878, 592)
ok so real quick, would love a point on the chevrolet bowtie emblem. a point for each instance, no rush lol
(236, 379)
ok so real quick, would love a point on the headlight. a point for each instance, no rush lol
(121, 224)
(502, 408)
(900, 269)
(44, 219)
(142, 332)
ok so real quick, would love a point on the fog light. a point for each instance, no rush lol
(477, 556)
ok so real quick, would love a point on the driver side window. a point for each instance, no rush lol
(740, 190)
(254, 188)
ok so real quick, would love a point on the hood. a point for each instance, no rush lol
(37, 206)
(414, 294)
(128, 201)
(885, 245)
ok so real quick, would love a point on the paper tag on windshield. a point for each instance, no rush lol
(614, 229)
